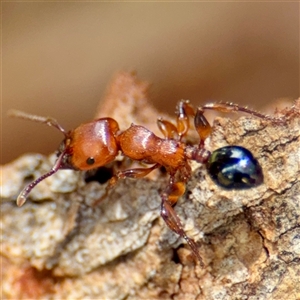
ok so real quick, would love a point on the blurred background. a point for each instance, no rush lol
(58, 57)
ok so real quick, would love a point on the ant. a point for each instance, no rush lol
(97, 143)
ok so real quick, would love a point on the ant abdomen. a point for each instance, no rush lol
(234, 167)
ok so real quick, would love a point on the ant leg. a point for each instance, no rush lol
(169, 199)
(130, 173)
(184, 111)
(232, 107)
(167, 128)
(202, 126)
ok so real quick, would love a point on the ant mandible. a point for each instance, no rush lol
(94, 144)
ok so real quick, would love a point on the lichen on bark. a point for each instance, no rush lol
(60, 246)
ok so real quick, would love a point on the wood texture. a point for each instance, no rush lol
(60, 246)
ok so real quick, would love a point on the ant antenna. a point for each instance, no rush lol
(25, 192)
(50, 122)
(45, 120)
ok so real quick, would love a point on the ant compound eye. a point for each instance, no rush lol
(90, 161)
(234, 167)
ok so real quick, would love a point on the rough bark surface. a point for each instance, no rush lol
(60, 246)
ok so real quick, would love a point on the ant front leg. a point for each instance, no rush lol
(169, 199)
(130, 173)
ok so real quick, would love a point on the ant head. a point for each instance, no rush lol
(89, 146)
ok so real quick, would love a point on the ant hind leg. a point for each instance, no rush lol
(228, 107)
(169, 199)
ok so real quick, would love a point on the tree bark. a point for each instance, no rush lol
(59, 245)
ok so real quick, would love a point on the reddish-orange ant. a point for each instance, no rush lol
(94, 144)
